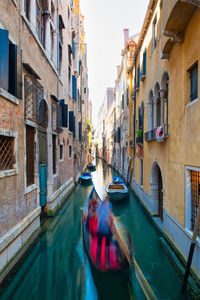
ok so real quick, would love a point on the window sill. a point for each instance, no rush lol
(9, 96)
(55, 175)
(61, 160)
(10, 172)
(192, 102)
(30, 188)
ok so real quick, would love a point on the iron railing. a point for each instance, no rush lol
(151, 135)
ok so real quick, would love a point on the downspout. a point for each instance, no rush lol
(134, 109)
(58, 55)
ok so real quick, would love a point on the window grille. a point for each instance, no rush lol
(6, 152)
(54, 116)
(35, 106)
(30, 154)
(195, 190)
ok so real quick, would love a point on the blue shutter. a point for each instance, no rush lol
(80, 130)
(73, 47)
(15, 71)
(80, 104)
(138, 76)
(79, 67)
(84, 90)
(74, 87)
(4, 59)
(64, 113)
(71, 121)
(74, 128)
(144, 62)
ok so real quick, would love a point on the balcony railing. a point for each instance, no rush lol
(151, 135)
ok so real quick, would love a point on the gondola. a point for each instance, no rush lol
(85, 178)
(117, 179)
(117, 191)
(107, 253)
(92, 167)
(122, 266)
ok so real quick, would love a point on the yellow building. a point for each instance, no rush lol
(167, 161)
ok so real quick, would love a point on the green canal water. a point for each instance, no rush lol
(56, 266)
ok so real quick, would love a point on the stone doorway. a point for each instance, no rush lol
(157, 190)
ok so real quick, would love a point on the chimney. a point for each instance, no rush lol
(126, 36)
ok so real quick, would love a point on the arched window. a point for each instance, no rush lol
(157, 106)
(164, 96)
(150, 111)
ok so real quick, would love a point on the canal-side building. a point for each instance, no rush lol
(166, 162)
(41, 116)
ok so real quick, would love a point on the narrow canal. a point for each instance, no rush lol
(56, 267)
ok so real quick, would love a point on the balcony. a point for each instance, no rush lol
(151, 135)
(139, 140)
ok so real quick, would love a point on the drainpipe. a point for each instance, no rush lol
(58, 56)
(134, 109)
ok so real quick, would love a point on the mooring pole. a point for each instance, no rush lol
(192, 247)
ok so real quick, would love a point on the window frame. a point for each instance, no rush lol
(41, 22)
(193, 68)
(15, 169)
(155, 33)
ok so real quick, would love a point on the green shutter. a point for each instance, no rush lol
(4, 59)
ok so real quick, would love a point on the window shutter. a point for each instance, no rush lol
(79, 67)
(80, 130)
(64, 113)
(74, 87)
(144, 62)
(80, 104)
(74, 128)
(84, 90)
(71, 120)
(4, 59)
(127, 96)
(122, 101)
(15, 71)
(138, 76)
(73, 47)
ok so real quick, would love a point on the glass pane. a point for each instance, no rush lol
(38, 11)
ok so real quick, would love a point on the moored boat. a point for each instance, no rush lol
(117, 191)
(85, 177)
(92, 167)
(117, 179)
(101, 237)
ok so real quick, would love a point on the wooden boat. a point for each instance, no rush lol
(86, 177)
(92, 167)
(117, 179)
(105, 252)
(117, 192)
(125, 267)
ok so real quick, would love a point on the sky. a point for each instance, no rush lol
(104, 22)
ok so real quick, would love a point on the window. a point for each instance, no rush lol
(154, 33)
(74, 87)
(138, 76)
(30, 155)
(193, 82)
(61, 26)
(70, 151)
(195, 197)
(61, 152)
(40, 21)
(52, 43)
(27, 8)
(6, 152)
(54, 153)
(11, 65)
(69, 80)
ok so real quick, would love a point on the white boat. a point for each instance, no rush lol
(117, 191)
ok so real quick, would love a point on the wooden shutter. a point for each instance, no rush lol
(4, 59)
(15, 71)
(59, 118)
(80, 130)
(64, 113)
(74, 87)
(74, 128)
(71, 120)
